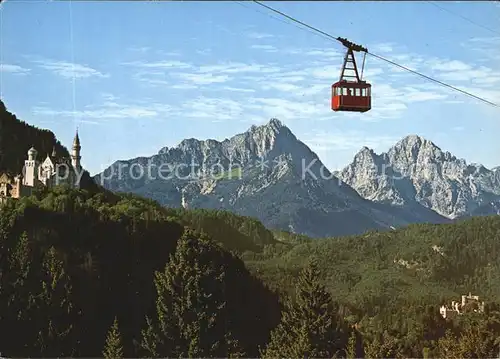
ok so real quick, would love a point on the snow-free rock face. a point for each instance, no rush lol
(416, 171)
(265, 172)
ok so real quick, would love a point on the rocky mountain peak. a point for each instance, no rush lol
(272, 142)
(415, 153)
(412, 140)
(365, 150)
(275, 124)
(272, 129)
(365, 154)
(266, 141)
(416, 171)
(413, 147)
(189, 142)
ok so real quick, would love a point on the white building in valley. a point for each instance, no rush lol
(468, 301)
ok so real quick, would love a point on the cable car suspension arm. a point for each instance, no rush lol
(350, 59)
(363, 66)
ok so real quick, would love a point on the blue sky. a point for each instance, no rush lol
(138, 76)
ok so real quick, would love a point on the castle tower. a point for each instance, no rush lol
(75, 154)
(30, 168)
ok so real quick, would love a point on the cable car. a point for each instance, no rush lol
(351, 93)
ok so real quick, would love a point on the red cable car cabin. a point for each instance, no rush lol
(351, 96)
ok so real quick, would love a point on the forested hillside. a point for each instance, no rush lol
(73, 263)
(17, 137)
(430, 262)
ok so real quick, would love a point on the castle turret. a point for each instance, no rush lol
(75, 154)
(32, 154)
(30, 168)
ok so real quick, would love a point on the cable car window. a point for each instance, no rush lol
(357, 92)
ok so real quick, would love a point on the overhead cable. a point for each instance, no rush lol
(464, 18)
(334, 38)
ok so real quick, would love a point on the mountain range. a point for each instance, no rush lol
(269, 174)
(416, 171)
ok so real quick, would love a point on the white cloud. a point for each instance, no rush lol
(453, 65)
(69, 69)
(238, 67)
(236, 89)
(282, 87)
(301, 89)
(322, 53)
(141, 50)
(154, 73)
(412, 94)
(106, 111)
(170, 53)
(184, 87)
(213, 109)
(204, 51)
(108, 96)
(371, 72)
(348, 140)
(259, 35)
(203, 79)
(486, 93)
(290, 76)
(159, 73)
(151, 77)
(266, 48)
(287, 109)
(382, 47)
(13, 69)
(486, 40)
(160, 64)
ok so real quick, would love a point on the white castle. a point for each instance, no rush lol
(49, 173)
(457, 308)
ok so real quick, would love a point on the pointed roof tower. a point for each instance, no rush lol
(75, 154)
(76, 141)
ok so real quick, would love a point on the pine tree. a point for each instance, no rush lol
(113, 348)
(351, 346)
(16, 277)
(448, 346)
(309, 327)
(192, 318)
(54, 308)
